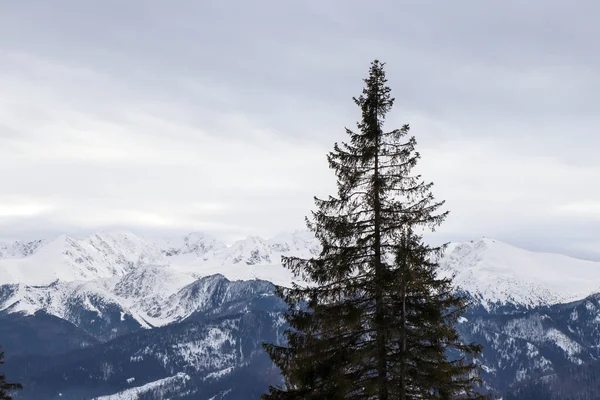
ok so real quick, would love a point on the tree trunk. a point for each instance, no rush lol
(379, 306)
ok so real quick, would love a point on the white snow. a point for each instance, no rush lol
(134, 393)
(200, 353)
(91, 307)
(569, 346)
(69, 259)
(218, 374)
(220, 395)
(495, 272)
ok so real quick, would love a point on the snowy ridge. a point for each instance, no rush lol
(151, 296)
(204, 294)
(57, 298)
(146, 278)
(497, 273)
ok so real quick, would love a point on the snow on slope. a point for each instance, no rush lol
(251, 258)
(202, 295)
(18, 249)
(69, 259)
(59, 298)
(115, 254)
(193, 243)
(135, 392)
(497, 273)
(148, 284)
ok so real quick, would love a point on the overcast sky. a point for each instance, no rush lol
(215, 116)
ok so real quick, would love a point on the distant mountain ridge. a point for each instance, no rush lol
(492, 272)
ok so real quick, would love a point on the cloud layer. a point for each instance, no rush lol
(217, 116)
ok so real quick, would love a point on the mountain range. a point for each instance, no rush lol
(119, 316)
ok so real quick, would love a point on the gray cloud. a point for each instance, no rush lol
(216, 116)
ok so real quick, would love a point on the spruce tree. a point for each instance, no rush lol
(373, 320)
(6, 387)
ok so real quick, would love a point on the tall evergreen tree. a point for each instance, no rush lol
(5, 387)
(373, 321)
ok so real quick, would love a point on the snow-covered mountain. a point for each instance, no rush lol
(140, 273)
(185, 316)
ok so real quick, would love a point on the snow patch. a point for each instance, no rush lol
(134, 393)
(218, 374)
